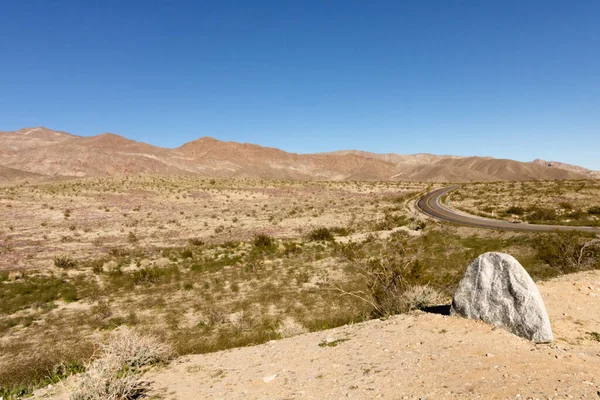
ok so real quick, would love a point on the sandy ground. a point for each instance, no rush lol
(87, 218)
(411, 356)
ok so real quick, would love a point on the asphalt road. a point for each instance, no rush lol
(431, 204)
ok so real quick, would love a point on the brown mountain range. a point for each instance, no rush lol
(33, 152)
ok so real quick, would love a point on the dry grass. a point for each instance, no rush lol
(289, 327)
(418, 297)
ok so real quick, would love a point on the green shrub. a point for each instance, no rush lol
(341, 231)
(148, 275)
(187, 253)
(391, 221)
(32, 291)
(567, 252)
(44, 374)
(565, 205)
(542, 214)
(515, 210)
(263, 240)
(595, 210)
(196, 242)
(320, 235)
(65, 262)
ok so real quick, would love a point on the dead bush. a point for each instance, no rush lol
(290, 327)
(113, 376)
(419, 297)
(384, 278)
(134, 350)
(102, 381)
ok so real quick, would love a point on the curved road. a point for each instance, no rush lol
(431, 204)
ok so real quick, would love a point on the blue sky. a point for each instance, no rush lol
(509, 79)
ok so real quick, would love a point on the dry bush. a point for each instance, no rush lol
(290, 327)
(419, 297)
(384, 276)
(134, 350)
(103, 381)
(113, 376)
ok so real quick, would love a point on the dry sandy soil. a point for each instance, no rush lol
(87, 217)
(417, 355)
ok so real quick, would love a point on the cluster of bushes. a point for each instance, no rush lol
(568, 252)
(595, 210)
(548, 214)
(320, 235)
(35, 291)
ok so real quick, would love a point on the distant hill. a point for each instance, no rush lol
(47, 152)
(11, 175)
(568, 167)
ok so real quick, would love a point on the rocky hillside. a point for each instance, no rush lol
(53, 153)
(568, 167)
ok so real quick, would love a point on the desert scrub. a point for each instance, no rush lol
(320, 235)
(51, 375)
(196, 242)
(115, 374)
(595, 210)
(144, 276)
(568, 252)
(384, 277)
(36, 291)
(290, 327)
(263, 240)
(65, 262)
(419, 297)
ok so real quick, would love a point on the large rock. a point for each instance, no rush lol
(497, 289)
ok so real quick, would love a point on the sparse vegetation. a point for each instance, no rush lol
(263, 240)
(320, 234)
(552, 202)
(332, 342)
(65, 262)
(594, 210)
(202, 290)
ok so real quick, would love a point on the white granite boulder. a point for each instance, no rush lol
(496, 289)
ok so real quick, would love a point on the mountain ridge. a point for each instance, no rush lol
(46, 152)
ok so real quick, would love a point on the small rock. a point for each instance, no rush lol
(268, 379)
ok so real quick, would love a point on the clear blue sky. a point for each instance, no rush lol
(513, 79)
